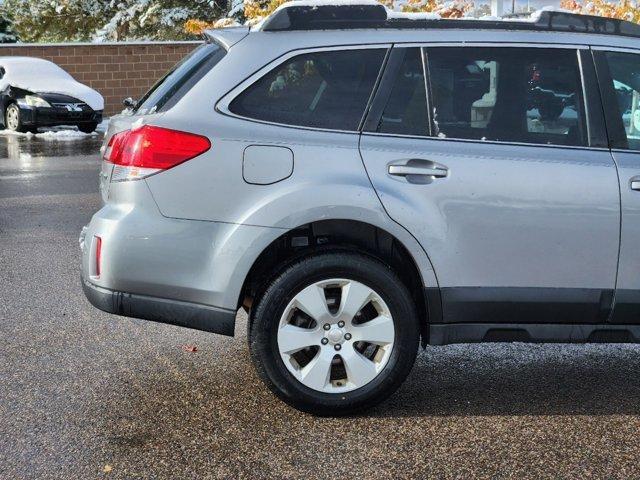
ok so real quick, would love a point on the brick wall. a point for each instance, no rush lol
(116, 70)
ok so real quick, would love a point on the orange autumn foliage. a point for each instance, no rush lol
(623, 9)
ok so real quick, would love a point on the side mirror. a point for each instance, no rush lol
(129, 102)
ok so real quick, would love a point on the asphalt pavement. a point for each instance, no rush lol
(84, 394)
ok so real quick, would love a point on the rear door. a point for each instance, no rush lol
(619, 74)
(502, 174)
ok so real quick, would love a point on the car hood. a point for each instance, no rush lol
(68, 87)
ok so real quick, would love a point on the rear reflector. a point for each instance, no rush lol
(147, 150)
(98, 241)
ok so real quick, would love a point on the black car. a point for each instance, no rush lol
(37, 93)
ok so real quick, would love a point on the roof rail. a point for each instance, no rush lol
(312, 15)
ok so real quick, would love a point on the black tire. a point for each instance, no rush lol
(14, 125)
(88, 127)
(266, 315)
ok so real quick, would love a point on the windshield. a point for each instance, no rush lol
(180, 79)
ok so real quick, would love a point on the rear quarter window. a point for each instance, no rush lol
(180, 79)
(328, 89)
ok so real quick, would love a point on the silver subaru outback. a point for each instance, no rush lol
(362, 181)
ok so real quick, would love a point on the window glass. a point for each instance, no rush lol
(406, 109)
(320, 89)
(625, 73)
(528, 95)
(180, 79)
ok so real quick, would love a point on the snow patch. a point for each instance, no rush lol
(225, 22)
(532, 18)
(102, 126)
(64, 135)
(310, 3)
(413, 15)
(41, 76)
(535, 16)
(11, 133)
(322, 3)
(59, 133)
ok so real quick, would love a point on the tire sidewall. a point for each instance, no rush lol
(88, 128)
(370, 272)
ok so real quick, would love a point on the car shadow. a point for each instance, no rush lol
(520, 379)
(456, 380)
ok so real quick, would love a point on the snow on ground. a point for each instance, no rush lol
(64, 135)
(58, 133)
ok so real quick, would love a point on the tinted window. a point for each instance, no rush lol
(527, 95)
(406, 109)
(321, 89)
(180, 79)
(625, 73)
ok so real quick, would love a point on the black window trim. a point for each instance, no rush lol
(593, 105)
(383, 92)
(618, 141)
(222, 106)
(594, 120)
(208, 63)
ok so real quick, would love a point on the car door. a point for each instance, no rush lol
(619, 74)
(503, 175)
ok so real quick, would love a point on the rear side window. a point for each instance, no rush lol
(320, 89)
(625, 75)
(180, 79)
(406, 109)
(527, 95)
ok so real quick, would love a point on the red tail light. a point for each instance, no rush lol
(149, 149)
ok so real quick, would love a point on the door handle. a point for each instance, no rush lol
(431, 171)
(635, 184)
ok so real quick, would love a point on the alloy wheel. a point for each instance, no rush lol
(13, 118)
(336, 335)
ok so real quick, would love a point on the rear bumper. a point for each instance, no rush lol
(174, 312)
(183, 272)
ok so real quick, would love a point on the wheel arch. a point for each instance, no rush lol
(408, 261)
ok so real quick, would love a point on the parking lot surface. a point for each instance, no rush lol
(84, 394)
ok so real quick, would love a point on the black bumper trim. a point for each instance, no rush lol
(174, 312)
(47, 117)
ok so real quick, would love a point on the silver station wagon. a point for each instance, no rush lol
(363, 182)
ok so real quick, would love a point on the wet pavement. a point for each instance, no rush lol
(84, 394)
